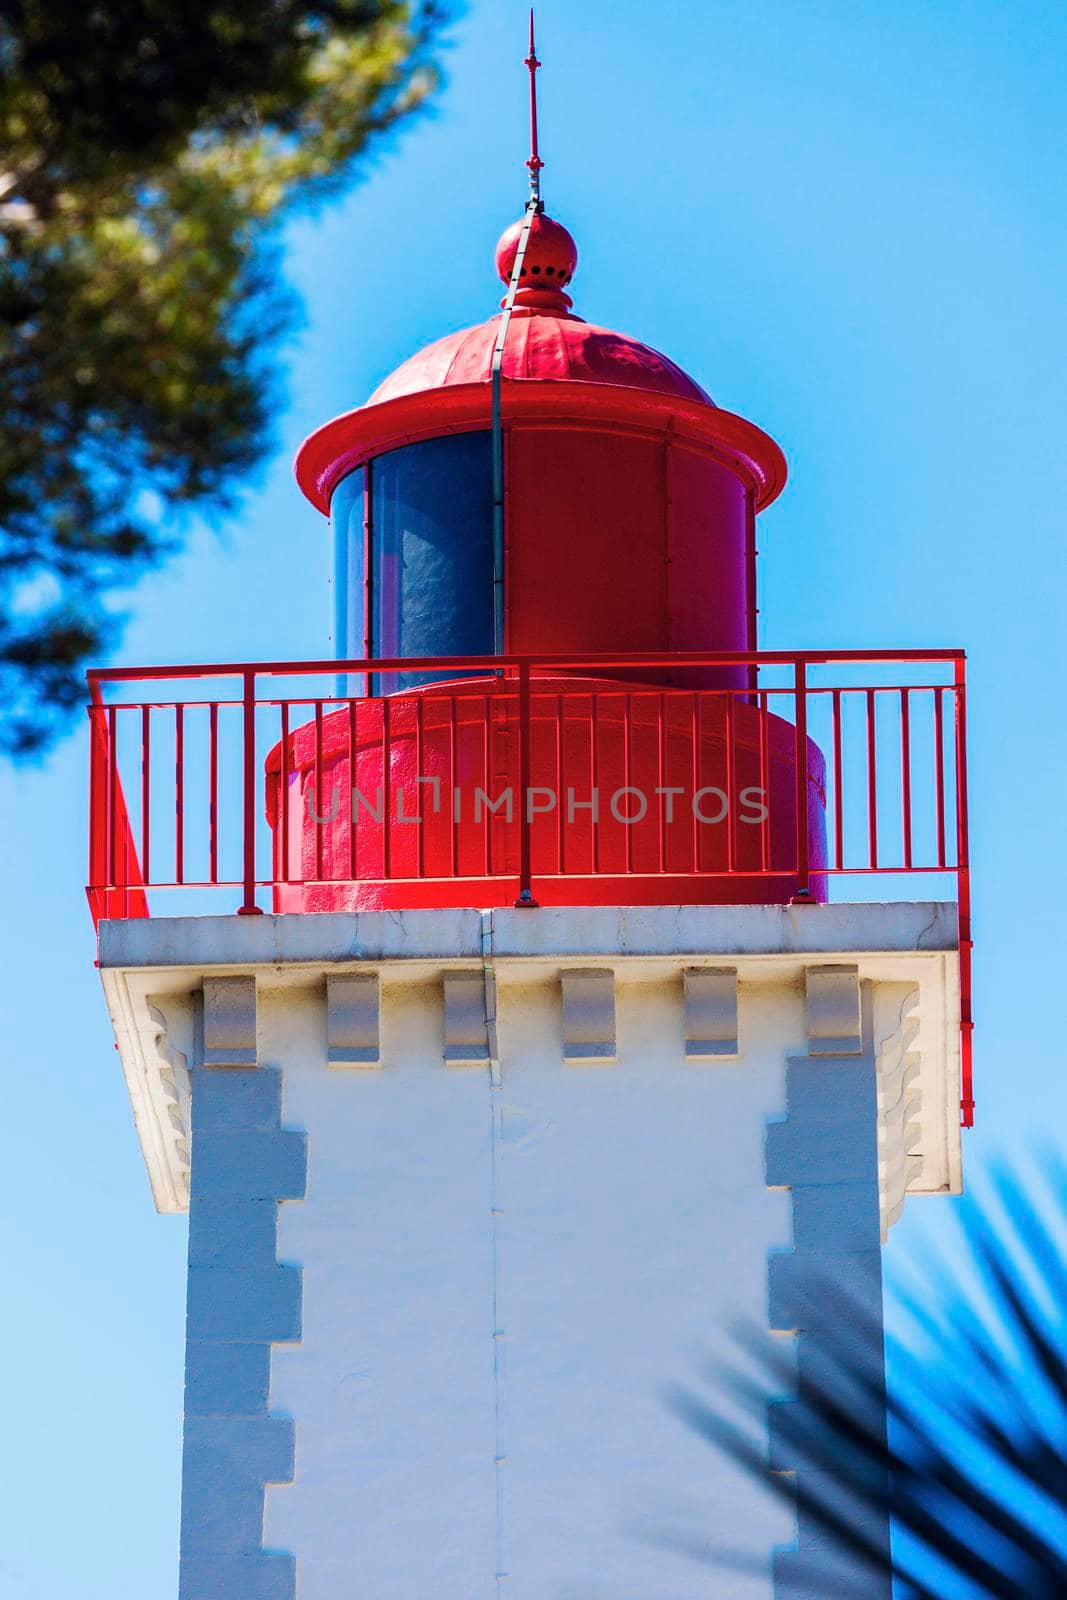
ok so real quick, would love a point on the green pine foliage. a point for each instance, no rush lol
(150, 148)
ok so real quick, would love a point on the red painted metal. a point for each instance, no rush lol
(905, 771)
(534, 162)
(549, 262)
(179, 793)
(599, 558)
(966, 942)
(573, 402)
(248, 906)
(611, 732)
(800, 690)
(872, 783)
(116, 886)
(543, 347)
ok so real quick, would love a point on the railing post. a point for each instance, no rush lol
(963, 896)
(98, 821)
(526, 898)
(802, 895)
(248, 907)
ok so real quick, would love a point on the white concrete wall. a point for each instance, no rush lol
(609, 1222)
(434, 1308)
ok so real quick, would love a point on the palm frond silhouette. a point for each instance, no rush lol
(972, 1468)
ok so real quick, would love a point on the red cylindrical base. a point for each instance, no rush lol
(638, 794)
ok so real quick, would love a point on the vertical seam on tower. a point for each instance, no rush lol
(498, 1335)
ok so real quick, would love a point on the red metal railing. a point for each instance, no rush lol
(875, 740)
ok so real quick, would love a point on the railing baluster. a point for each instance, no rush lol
(526, 896)
(353, 784)
(146, 795)
(594, 767)
(872, 784)
(487, 771)
(696, 754)
(905, 773)
(939, 773)
(284, 794)
(213, 792)
(179, 793)
(561, 793)
(765, 782)
(731, 784)
(661, 773)
(387, 829)
(800, 691)
(112, 797)
(456, 797)
(248, 906)
(627, 774)
(839, 787)
(321, 807)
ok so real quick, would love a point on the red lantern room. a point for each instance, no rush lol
(629, 497)
(540, 489)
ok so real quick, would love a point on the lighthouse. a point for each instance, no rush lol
(490, 995)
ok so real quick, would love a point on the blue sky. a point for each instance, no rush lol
(846, 220)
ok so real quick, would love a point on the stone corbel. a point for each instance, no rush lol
(353, 1008)
(466, 1024)
(833, 1011)
(588, 1014)
(229, 1022)
(710, 1013)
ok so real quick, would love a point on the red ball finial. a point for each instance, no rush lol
(548, 265)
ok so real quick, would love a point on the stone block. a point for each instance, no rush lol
(832, 1091)
(820, 1152)
(226, 1379)
(211, 1575)
(232, 1233)
(818, 1289)
(240, 1098)
(234, 1303)
(225, 1450)
(819, 1575)
(249, 1165)
(835, 1216)
(219, 1513)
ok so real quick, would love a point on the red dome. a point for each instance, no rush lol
(554, 365)
(539, 346)
(545, 340)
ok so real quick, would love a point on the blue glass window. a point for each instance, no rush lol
(431, 539)
(349, 600)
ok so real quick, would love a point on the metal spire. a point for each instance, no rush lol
(534, 163)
